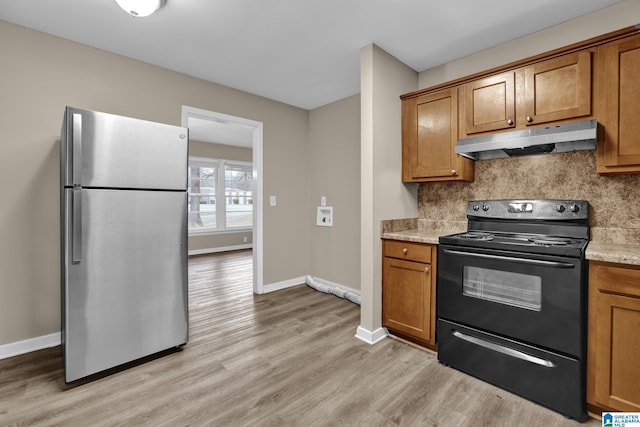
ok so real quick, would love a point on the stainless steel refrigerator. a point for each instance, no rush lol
(123, 240)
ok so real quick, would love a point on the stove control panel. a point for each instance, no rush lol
(518, 207)
(530, 209)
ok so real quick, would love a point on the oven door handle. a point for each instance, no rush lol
(504, 350)
(539, 262)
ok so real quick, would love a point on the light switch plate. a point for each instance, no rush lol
(272, 200)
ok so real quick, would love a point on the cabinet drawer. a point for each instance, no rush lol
(616, 279)
(407, 250)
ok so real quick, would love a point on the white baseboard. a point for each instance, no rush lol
(29, 345)
(371, 337)
(220, 249)
(272, 287)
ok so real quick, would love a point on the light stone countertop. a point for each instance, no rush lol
(596, 250)
(614, 252)
(415, 235)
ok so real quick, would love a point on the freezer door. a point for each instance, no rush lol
(125, 294)
(108, 151)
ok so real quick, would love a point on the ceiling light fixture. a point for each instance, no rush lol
(140, 8)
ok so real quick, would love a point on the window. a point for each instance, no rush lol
(220, 195)
(504, 287)
(238, 195)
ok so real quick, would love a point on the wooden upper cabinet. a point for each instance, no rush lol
(619, 110)
(594, 79)
(489, 103)
(558, 89)
(429, 136)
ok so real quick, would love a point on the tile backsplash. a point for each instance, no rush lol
(614, 200)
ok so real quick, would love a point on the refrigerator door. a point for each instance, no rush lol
(125, 295)
(109, 151)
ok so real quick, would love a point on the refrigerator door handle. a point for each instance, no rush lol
(76, 228)
(77, 150)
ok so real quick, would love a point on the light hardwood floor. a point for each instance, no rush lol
(288, 358)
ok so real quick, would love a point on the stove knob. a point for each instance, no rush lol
(560, 208)
(485, 207)
(574, 208)
(475, 208)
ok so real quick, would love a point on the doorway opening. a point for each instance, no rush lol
(217, 128)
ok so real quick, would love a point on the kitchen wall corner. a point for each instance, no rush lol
(382, 79)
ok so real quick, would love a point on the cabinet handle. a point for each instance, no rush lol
(405, 250)
(509, 122)
(529, 119)
(454, 172)
(426, 269)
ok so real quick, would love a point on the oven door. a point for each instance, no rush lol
(536, 299)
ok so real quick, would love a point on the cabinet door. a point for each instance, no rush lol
(489, 103)
(429, 136)
(620, 106)
(558, 89)
(437, 121)
(406, 298)
(614, 338)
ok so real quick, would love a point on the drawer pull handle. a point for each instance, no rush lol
(405, 250)
(426, 269)
(504, 350)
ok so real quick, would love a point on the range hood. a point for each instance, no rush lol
(549, 139)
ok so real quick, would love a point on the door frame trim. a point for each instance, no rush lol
(258, 151)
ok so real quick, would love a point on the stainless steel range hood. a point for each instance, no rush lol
(549, 139)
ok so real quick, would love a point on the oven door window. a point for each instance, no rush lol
(504, 287)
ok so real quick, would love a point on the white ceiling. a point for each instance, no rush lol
(301, 52)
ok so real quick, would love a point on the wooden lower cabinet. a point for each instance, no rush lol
(408, 291)
(613, 372)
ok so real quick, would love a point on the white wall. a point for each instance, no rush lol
(383, 195)
(334, 165)
(616, 17)
(40, 74)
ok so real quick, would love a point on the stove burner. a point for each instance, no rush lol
(550, 241)
(476, 235)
